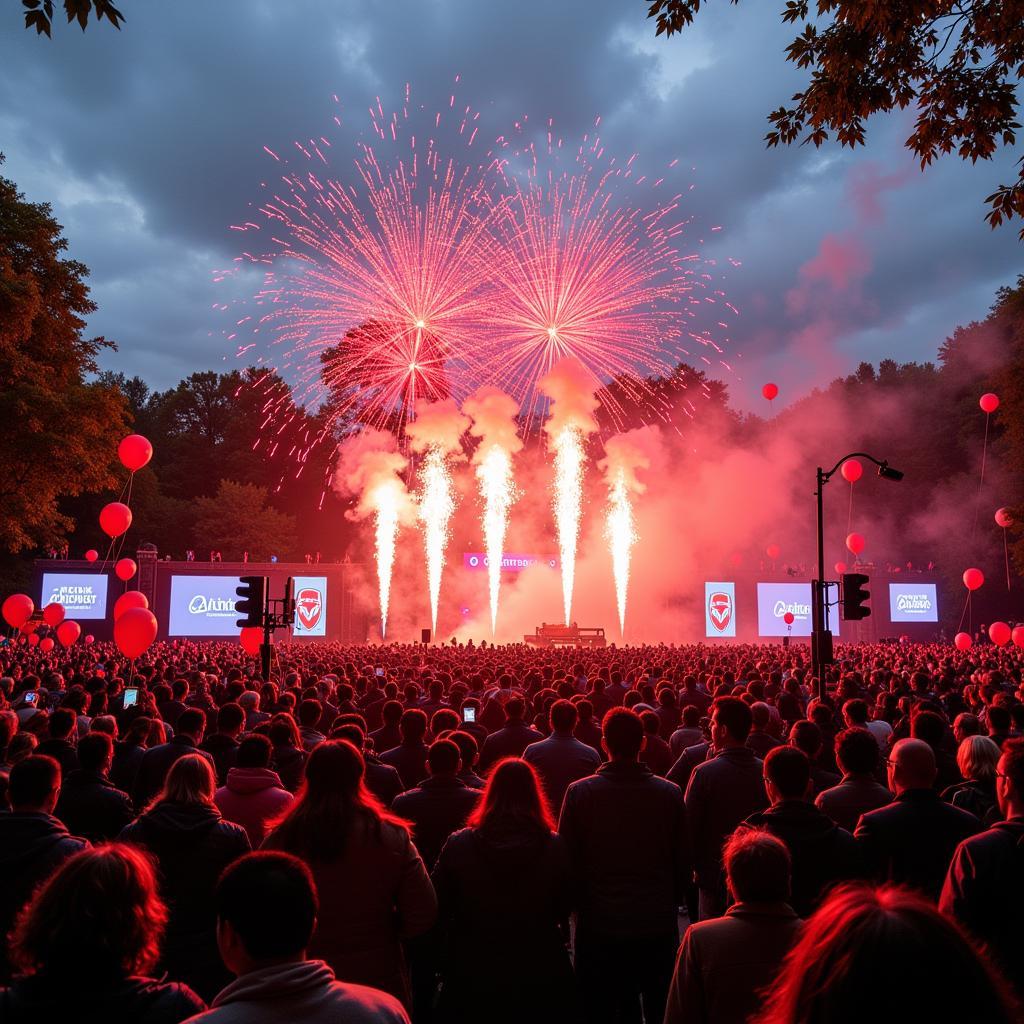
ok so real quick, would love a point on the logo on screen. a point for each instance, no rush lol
(800, 611)
(308, 606)
(720, 610)
(203, 605)
(915, 603)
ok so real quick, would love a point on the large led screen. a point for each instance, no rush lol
(913, 602)
(83, 594)
(775, 599)
(310, 606)
(203, 606)
(719, 609)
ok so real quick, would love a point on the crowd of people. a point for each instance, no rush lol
(476, 833)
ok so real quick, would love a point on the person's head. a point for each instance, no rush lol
(757, 867)
(563, 717)
(806, 736)
(930, 727)
(651, 723)
(787, 774)
(413, 725)
(104, 723)
(249, 701)
(443, 758)
(911, 766)
(867, 948)
(191, 723)
(1010, 779)
(513, 799)
(855, 712)
(691, 716)
(857, 751)
(760, 715)
(283, 731)
(622, 734)
(469, 751)
(99, 916)
(266, 907)
(977, 758)
(965, 724)
(62, 723)
(231, 719)
(95, 753)
(190, 781)
(391, 711)
(34, 785)
(332, 799)
(254, 752)
(310, 712)
(515, 708)
(1000, 721)
(731, 721)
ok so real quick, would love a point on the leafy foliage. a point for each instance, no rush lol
(39, 14)
(958, 64)
(238, 518)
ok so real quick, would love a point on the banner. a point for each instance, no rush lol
(310, 606)
(775, 599)
(203, 606)
(913, 602)
(719, 609)
(509, 563)
(83, 594)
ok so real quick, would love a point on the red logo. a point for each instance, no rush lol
(308, 606)
(720, 610)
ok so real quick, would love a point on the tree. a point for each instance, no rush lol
(60, 433)
(39, 13)
(238, 519)
(957, 63)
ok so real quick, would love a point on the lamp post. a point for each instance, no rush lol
(821, 635)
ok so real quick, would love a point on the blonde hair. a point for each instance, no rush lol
(190, 781)
(977, 758)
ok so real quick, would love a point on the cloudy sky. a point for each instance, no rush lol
(150, 141)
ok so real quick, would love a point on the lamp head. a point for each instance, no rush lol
(887, 471)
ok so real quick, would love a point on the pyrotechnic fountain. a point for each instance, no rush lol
(621, 535)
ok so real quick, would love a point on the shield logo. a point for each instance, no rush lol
(308, 606)
(720, 610)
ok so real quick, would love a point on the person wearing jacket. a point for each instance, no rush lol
(822, 853)
(90, 805)
(33, 843)
(253, 795)
(561, 759)
(510, 740)
(266, 906)
(86, 944)
(505, 883)
(859, 791)
(977, 757)
(192, 844)
(626, 834)
(288, 759)
(374, 890)
(157, 761)
(984, 889)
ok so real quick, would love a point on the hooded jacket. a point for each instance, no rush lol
(92, 806)
(306, 991)
(251, 798)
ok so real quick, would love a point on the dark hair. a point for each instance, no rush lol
(623, 732)
(100, 914)
(757, 866)
(283, 730)
(857, 751)
(62, 723)
(735, 715)
(651, 722)
(563, 716)
(413, 724)
(856, 710)
(391, 711)
(310, 712)
(515, 708)
(443, 756)
(789, 771)
(513, 797)
(468, 747)
(254, 752)
(999, 718)
(33, 780)
(1013, 764)
(94, 751)
(691, 716)
(865, 948)
(806, 736)
(351, 732)
(192, 722)
(928, 726)
(270, 900)
(317, 824)
(230, 717)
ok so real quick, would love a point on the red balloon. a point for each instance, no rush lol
(840, 567)
(251, 637)
(46, 644)
(989, 402)
(89, 639)
(91, 555)
(125, 569)
(17, 610)
(28, 627)
(962, 641)
(852, 470)
(999, 633)
(855, 542)
(973, 578)
(788, 618)
(115, 519)
(773, 551)
(128, 600)
(770, 391)
(1017, 636)
(53, 614)
(68, 632)
(134, 452)
(1003, 518)
(33, 639)
(135, 631)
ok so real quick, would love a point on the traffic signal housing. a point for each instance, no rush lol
(253, 595)
(855, 596)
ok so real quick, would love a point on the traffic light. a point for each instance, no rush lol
(855, 596)
(288, 608)
(253, 593)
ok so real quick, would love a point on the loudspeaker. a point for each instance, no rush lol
(424, 636)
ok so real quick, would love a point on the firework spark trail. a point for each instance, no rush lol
(436, 505)
(620, 532)
(386, 502)
(494, 421)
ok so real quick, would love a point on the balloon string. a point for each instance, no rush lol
(963, 614)
(1006, 557)
(981, 482)
(849, 515)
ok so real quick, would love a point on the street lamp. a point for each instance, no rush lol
(821, 635)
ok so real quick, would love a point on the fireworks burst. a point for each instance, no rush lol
(436, 505)
(497, 489)
(620, 533)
